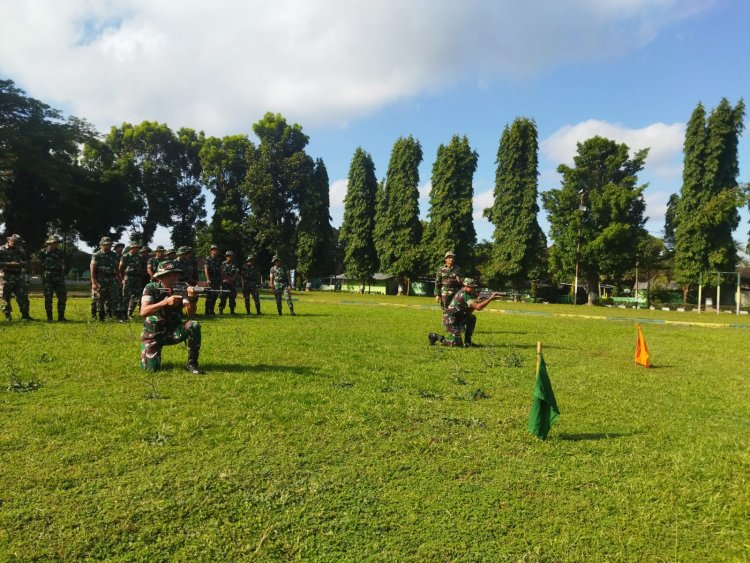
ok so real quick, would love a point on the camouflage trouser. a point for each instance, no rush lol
(211, 297)
(54, 285)
(446, 298)
(286, 292)
(155, 336)
(108, 297)
(246, 293)
(232, 295)
(131, 294)
(455, 324)
(15, 286)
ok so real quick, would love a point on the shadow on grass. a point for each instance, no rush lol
(256, 368)
(596, 436)
(500, 332)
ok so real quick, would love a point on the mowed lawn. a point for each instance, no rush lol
(340, 434)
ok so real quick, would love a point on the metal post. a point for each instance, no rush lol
(739, 295)
(700, 291)
(718, 293)
(636, 284)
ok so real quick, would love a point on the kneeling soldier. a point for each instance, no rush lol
(164, 324)
(459, 316)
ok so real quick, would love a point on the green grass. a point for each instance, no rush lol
(340, 434)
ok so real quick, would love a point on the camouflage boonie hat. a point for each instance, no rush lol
(275, 257)
(145, 250)
(450, 253)
(183, 250)
(213, 246)
(469, 282)
(105, 240)
(160, 248)
(250, 258)
(166, 267)
(53, 239)
(134, 244)
(229, 253)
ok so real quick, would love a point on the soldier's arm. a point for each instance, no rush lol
(479, 305)
(92, 272)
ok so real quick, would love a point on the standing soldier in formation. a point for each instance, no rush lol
(212, 269)
(131, 274)
(145, 257)
(104, 270)
(171, 254)
(53, 277)
(192, 262)
(280, 283)
(250, 283)
(119, 248)
(153, 263)
(163, 324)
(447, 281)
(182, 264)
(459, 316)
(12, 261)
(229, 275)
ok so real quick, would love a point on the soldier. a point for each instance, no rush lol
(171, 254)
(163, 324)
(459, 316)
(104, 270)
(131, 273)
(212, 270)
(447, 281)
(181, 263)
(153, 262)
(280, 283)
(229, 275)
(145, 255)
(12, 282)
(53, 277)
(250, 284)
(192, 263)
(119, 248)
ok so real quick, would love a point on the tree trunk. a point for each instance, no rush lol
(593, 294)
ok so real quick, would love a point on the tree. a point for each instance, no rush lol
(609, 223)
(356, 235)
(189, 208)
(314, 230)
(225, 163)
(451, 225)
(519, 243)
(707, 211)
(279, 173)
(670, 221)
(398, 229)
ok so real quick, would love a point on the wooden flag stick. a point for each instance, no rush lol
(538, 356)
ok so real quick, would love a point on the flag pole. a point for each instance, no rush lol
(538, 354)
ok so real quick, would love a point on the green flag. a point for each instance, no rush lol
(544, 411)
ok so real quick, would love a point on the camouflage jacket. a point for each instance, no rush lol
(461, 304)
(131, 265)
(213, 265)
(280, 277)
(229, 272)
(191, 270)
(154, 263)
(250, 276)
(53, 263)
(7, 255)
(105, 264)
(185, 267)
(447, 280)
(170, 317)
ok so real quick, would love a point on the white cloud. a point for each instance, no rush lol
(664, 141)
(221, 65)
(482, 201)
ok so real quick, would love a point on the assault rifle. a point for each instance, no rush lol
(486, 293)
(181, 289)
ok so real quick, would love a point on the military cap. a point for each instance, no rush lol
(469, 282)
(134, 244)
(160, 248)
(229, 253)
(15, 237)
(145, 249)
(183, 250)
(214, 246)
(53, 239)
(275, 257)
(250, 258)
(166, 267)
(118, 244)
(450, 253)
(105, 240)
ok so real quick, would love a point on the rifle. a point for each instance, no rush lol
(181, 289)
(485, 293)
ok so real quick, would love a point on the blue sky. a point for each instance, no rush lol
(364, 73)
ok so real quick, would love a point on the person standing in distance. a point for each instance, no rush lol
(250, 283)
(229, 275)
(212, 270)
(53, 278)
(12, 282)
(281, 284)
(447, 281)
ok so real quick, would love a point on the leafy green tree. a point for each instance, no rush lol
(278, 175)
(451, 224)
(314, 230)
(707, 211)
(356, 235)
(670, 221)
(398, 229)
(608, 229)
(189, 209)
(519, 243)
(225, 162)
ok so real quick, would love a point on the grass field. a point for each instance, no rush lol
(340, 434)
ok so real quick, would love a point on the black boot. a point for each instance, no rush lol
(25, 316)
(432, 337)
(7, 316)
(291, 311)
(48, 310)
(61, 314)
(192, 365)
(279, 308)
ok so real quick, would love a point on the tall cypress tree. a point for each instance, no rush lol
(519, 243)
(451, 225)
(314, 230)
(398, 228)
(707, 209)
(356, 236)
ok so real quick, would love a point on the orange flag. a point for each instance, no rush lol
(641, 350)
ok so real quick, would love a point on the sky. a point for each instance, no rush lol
(362, 73)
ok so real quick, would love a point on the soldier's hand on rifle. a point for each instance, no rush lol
(191, 292)
(437, 299)
(174, 300)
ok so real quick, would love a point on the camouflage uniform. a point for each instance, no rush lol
(53, 279)
(250, 284)
(212, 265)
(281, 285)
(145, 255)
(105, 274)
(165, 329)
(153, 262)
(459, 318)
(12, 279)
(229, 273)
(447, 283)
(130, 268)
